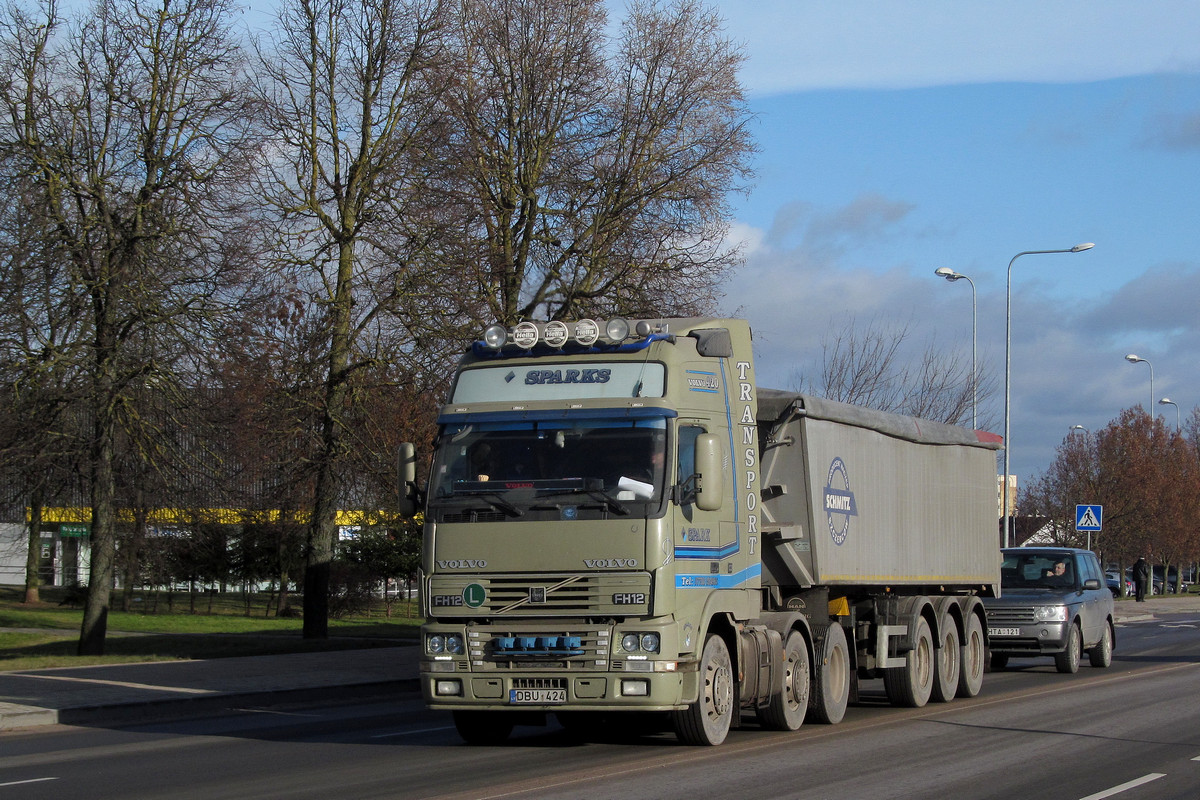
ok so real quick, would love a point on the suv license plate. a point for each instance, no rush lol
(1004, 631)
(521, 697)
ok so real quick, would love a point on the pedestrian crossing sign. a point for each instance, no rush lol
(1088, 518)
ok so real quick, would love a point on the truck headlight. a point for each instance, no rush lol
(1050, 613)
(629, 642)
(436, 643)
(650, 642)
(454, 644)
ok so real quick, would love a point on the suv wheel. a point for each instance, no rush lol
(1068, 660)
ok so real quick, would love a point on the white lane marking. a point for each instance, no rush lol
(126, 684)
(1197, 758)
(31, 780)
(1153, 776)
(410, 733)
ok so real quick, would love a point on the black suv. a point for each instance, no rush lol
(1054, 602)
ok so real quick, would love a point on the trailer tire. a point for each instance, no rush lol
(831, 678)
(785, 711)
(947, 662)
(707, 721)
(973, 661)
(911, 685)
(483, 727)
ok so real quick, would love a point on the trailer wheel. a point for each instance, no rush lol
(786, 710)
(946, 662)
(1068, 660)
(482, 727)
(911, 685)
(973, 662)
(831, 678)
(707, 721)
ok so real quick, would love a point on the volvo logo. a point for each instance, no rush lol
(609, 563)
(462, 563)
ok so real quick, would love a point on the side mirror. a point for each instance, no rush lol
(407, 474)
(710, 458)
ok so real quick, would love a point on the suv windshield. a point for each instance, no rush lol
(610, 461)
(1037, 571)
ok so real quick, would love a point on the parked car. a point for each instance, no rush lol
(1054, 602)
(1120, 587)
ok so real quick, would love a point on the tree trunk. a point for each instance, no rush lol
(103, 547)
(323, 526)
(33, 559)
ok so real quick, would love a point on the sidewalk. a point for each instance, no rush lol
(123, 693)
(126, 693)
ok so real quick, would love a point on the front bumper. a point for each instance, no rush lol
(1026, 638)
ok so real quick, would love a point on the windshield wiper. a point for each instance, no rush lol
(610, 502)
(499, 503)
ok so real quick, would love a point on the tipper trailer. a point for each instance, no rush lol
(619, 520)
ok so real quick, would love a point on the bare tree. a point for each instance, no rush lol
(350, 86)
(132, 125)
(869, 365)
(592, 178)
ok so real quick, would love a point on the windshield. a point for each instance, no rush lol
(616, 459)
(1037, 571)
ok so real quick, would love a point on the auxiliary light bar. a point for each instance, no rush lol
(556, 334)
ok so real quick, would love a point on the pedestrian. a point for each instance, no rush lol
(1141, 577)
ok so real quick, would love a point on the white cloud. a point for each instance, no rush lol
(817, 44)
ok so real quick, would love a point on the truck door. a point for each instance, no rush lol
(699, 550)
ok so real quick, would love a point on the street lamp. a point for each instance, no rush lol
(1079, 428)
(1166, 401)
(1008, 366)
(952, 276)
(1133, 358)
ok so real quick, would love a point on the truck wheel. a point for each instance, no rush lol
(482, 727)
(911, 685)
(831, 678)
(786, 710)
(1068, 660)
(973, 660)
(946, 663)
(1101, 654)
(707, 720)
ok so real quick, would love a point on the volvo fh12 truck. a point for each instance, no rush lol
(618, 519)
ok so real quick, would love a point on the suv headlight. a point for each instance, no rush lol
(1050, 613)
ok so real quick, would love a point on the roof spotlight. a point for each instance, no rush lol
(495, 336)
(617, 329)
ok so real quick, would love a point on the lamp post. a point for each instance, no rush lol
(1133, 358)
(952, 276)
(1079, 428)
(1166, 401)
(1008, 368)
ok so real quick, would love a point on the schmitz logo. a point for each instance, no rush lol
(462, 563)
(839, 501)
(609, 563)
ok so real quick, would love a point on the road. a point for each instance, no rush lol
(1131, 732)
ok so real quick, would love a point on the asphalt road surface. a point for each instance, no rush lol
(1130, 732)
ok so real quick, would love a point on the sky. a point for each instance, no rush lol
(896, 138)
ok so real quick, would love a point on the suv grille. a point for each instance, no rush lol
(1016, 615)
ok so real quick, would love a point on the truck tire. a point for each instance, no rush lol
(910, 686)
(831, 678)
(707, 721)
(785, 711)
(973, 662)
(1068, 660)
(947, 662)
(482, 727)
(1101, 654)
